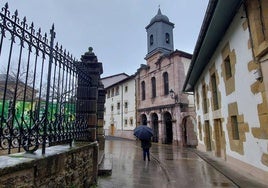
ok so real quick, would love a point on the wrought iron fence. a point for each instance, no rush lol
(38, 81)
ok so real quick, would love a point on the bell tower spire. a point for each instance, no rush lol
(159, 35)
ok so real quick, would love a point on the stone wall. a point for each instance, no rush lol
(61, 166)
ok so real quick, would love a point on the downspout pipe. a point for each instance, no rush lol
(122, 106)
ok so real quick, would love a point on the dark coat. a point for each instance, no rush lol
(146, 144)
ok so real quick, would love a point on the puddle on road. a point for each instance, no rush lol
(222, 184)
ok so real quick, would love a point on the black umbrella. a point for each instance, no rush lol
(143, 132)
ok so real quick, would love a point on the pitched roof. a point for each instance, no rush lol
(110, 80)
(218, 17)
(121, 81)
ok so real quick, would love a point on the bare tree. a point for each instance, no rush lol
(18, 85)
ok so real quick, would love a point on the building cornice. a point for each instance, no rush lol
(161, 107)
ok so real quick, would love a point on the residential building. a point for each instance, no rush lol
(160, 103)
(229, 77)
(120, 108)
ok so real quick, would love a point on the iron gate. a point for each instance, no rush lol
(38, 81)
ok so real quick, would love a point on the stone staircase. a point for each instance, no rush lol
(105, 164)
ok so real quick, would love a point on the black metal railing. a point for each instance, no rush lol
(38, 81)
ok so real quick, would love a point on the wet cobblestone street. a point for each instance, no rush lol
(169, 167)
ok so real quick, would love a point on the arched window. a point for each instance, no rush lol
(153, 87)
(167, 38)
(142, 90)
(166, 84)
(151, 40)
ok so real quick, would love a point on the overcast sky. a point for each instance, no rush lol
(114, 28)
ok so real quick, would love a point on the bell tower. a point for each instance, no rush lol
(159, 35)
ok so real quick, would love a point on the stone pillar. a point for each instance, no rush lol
(89, 71)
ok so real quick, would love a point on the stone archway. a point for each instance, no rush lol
(168, 128)
(143, 119)
(154, 123)
(189, 137)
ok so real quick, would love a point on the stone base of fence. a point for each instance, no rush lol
(61, 166)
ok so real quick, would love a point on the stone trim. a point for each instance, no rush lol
(260, 132)
(243, 128)
(229, 82)
(257, 11)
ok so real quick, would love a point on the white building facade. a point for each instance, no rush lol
(120, 109)
(230, 92)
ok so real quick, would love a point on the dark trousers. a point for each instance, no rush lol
(146, 152)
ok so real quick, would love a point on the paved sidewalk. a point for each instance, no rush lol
(169, 167)
(239, 178)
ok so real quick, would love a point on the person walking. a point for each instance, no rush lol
(146, 144)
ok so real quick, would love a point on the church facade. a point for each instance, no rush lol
(160, 103)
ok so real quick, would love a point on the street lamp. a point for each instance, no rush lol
(173, 95)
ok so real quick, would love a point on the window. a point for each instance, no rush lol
(131, 121)
(125, 122)
(151, 40)
(167, 38)
(142, 90)
(166, 84)
(197, 98)
(235, 131)
(126, 88)
(117, 90)
(118, 106)
(214, 92)
(200, 130)
(204, 92)
(257, 18)
(227, 65)
(112, 108)
(112, 92)
(108, 94)
(153, 87)
(126, 107)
